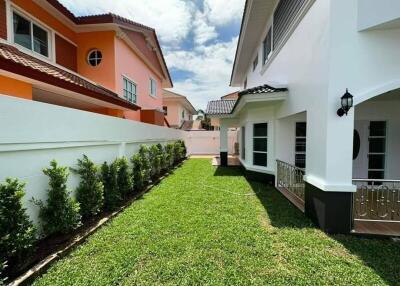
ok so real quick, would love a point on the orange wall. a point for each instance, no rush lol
(13, 87)
(104, 73)
(130, 65)
(32, 8)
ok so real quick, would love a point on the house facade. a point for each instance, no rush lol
(101, 63)
(295, 60)
(178, 110)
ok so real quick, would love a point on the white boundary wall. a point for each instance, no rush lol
(207, 142)
(34, 133)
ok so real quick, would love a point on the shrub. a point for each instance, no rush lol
(124, 179)
(137, 172)
(112, 196)
(169, 149)
(156, 161)
(183, 149)
(144, 154)
(164, 157)
(61, 212)
(2, 267)
(17, 233)
(90, 190)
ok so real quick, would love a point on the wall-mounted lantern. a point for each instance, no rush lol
(346, 102)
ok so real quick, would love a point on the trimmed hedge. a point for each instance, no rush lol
(101, 188)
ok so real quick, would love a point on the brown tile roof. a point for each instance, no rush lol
(110, 18)
(219, 107)
(15, 61)
(224, 107)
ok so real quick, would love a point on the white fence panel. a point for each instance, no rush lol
(207, 142)
(34, 133)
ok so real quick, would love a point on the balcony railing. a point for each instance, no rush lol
(290, 182)
(377, 200)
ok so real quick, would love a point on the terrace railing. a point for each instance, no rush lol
(290, 182)
(377, 200)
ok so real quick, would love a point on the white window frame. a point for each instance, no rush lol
(295, 143)
(32, 20)
(261, 137)
(124, 77)
(151, 81)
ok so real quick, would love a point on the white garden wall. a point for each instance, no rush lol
(33, 133)
(207, 142)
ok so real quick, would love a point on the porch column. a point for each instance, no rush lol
(329, 189)
(223, 143)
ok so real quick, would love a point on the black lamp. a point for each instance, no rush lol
(346, 102)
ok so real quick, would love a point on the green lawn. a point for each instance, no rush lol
(208, 226)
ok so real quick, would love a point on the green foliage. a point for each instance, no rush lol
(90, 190)
(2, 267)
(124, 179)
(156, 157)
(170, 150)
(164, 157)
(17, 233)
(179, 151)
(144, 153)
(112, 196)
(138, 174)
(60, 214)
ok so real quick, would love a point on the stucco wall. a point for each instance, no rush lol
(130, 65)
(34, 133)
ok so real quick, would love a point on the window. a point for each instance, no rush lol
(129, 90)
(243, 147)
(153, 87)
(376, 150)
(267, 46)
(245, 83)
(255, 63)
(260, 144)
(94, 57)
(300, 147)
(30, 35)
(183, 114)
(284, 16)
(165, 110)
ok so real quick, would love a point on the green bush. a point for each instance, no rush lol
(17, 233)
(169, 149)
(144, 153)
(164, 157)
(124, 179)
(90, 192)
(112, 196)
(2, 267)
(156, 157)
(138, 175)
(183, 149)
(60, 214)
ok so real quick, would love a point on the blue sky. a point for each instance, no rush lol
(198, 38)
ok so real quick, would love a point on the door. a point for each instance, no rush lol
(360, 149)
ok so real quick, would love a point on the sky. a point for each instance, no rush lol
(198, 39)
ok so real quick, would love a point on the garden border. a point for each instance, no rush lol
(41, 267)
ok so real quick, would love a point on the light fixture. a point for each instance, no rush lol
(346, 102)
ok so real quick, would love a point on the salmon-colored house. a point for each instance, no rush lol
(178, 110)
(101, 63)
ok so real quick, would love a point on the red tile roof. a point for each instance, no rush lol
(15, 61)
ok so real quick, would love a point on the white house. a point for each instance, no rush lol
(294, 61)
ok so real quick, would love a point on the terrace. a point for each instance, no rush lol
(207, 225)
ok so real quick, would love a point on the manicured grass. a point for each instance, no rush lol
(208, 226)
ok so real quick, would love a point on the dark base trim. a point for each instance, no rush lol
(224, 159)
(331, 211)
(259, 177)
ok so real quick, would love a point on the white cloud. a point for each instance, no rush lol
(202, 30)
(222, 12)
(171, 18)
(211, 67)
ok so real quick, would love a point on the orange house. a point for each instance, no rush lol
(101, 63)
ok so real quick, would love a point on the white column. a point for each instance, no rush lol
(223, 137)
